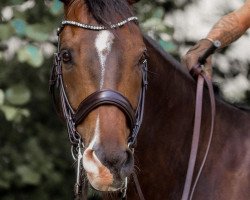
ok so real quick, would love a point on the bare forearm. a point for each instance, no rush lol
(228, 29)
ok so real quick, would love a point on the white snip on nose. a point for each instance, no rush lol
(96, 137)
(89, 165)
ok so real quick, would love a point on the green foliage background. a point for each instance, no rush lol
(35, 159)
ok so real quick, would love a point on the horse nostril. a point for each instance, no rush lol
(128, 164)
(119, 162)
(129, 156)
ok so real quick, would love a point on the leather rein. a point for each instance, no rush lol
(198, 74)
(94, 100)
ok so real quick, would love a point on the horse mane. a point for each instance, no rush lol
(179, 67)
(241, 106)
(168, 57)
(106, 12)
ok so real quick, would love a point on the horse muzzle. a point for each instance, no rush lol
(107, 172)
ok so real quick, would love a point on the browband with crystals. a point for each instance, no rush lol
(94, 27)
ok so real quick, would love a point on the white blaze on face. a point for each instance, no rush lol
(99, 176)
(103, 44)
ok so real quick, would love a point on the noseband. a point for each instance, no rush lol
(94, 100)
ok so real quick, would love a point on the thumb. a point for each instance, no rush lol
(190, 60)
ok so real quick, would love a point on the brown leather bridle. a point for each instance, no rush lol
(99, 98)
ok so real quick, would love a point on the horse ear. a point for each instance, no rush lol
(132, 1)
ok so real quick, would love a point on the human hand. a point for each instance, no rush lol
(191, 59)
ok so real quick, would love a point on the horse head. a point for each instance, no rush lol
(107, 61)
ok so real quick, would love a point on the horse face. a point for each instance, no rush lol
(96, 60)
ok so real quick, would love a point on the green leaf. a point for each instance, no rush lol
(6, 177)
(28, 175)
(32, 55)
(4, 184)
(37, 32)
(12, 2)
(168, 45)
(56, 7)
(9, 112)
(159, 13)
(1, 97)
(14, 114)
(19, 26)
(6, 31)
(18, 95)
(154, 24)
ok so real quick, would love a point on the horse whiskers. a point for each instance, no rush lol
(84, 176)
(109, 195)
(74, 163)
(136, 169)
(151, 72)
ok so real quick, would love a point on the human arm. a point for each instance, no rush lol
(228, 29)
(232, 26)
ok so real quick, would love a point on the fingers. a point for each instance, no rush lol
(190, 61)
(208, 70)
(192, 56)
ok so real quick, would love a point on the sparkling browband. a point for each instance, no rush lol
(94, 27)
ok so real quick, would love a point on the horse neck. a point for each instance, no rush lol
(171, 91)
(165, 138)
(168, 120)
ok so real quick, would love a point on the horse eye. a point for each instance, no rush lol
(66, 56)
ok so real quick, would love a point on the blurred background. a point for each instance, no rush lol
(35, 159)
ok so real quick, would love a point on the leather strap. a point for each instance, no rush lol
(197, 71)
(213, 111)
(195, 140)
(138, 187)
(103, 97)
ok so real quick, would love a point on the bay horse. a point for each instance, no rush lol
(110, 63)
